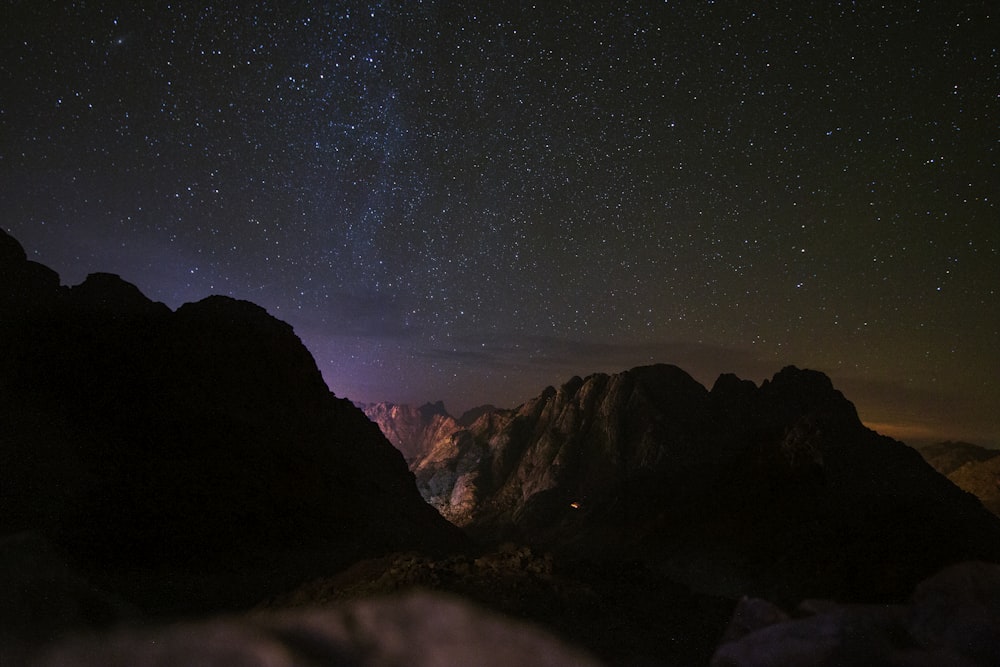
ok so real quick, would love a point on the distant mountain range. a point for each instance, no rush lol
(778, 489)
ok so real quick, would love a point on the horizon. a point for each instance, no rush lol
(911, 425)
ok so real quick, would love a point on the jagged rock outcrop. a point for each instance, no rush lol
(470, 416)
(414, 431)
(777, 488)
(201, 442)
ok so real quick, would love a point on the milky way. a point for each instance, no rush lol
(470, 204)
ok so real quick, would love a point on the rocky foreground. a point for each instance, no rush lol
(951, 620)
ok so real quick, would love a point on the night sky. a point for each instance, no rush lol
(471, 204)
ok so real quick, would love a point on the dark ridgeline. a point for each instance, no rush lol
(777, 490)
(188, 460)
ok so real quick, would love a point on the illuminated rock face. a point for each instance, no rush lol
(970, 467)
(778, 488)
(413, 431)
(136, 436)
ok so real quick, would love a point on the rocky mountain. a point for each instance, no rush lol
(947, 457)
(414, 431)
(417, 431)
(186, 459)
(970, 467)
(777, 489)
(470, 416)
(981, 479)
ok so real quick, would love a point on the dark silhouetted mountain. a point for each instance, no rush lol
(777, 489)
(137, 437)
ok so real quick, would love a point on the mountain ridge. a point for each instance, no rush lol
(648, 463)
(203, 439)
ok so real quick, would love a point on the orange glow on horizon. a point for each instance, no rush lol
(904, 431)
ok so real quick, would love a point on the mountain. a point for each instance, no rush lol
(778, 490)
(981, 479)
(414, 431)
(471, 415)
(947, 457)
(970, 467)
(199, 444)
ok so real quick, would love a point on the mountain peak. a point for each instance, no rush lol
(428, 410)
(110, 293)
(205, 434)
(11, 251)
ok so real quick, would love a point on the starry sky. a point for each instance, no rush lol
(470, 203)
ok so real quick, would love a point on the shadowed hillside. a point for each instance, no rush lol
(201, 442)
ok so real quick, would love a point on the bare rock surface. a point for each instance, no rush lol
(414, 431)
(952, 620)
(416, 630)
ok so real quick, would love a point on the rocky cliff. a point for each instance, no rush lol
(201, 442)
(778, 488)
(414, 431)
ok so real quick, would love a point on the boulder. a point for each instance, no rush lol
(417, 630)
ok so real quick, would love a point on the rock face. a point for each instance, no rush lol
(413, 431)
(970, 467)
(778, 488)
(137, 437)
(981, 479)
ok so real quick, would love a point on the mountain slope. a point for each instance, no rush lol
(981, 479)
(413, 431)
(947, 457)
(203, 439)
(970, 467)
